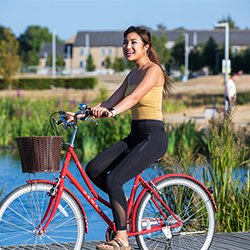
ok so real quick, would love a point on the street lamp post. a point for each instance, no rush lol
(186, 55)
(226, 26)
(54, 56)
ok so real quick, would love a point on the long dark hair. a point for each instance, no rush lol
(146, 39)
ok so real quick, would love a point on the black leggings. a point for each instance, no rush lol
(146, 143)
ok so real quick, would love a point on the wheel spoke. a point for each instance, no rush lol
(190, 204)
(21, 212)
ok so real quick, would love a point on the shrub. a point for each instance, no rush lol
(47, 83)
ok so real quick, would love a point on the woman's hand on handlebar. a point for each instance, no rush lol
(100, 112)
(70, 116)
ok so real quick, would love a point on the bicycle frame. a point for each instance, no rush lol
(57, 190)
(59, 185)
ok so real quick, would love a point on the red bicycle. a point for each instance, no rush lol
(174, 211)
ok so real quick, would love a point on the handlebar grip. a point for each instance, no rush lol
(104, 114)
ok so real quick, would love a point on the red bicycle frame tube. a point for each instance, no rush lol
(54, 202)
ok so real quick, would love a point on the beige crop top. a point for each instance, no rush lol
(150, 105)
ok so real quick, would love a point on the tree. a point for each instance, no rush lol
(59, 60)
(178, 51)
(90, 66)
(2, 36)
(161, 27)
(195, 60)
(159, 44)
(9, 58)
(131, 65)
(209, 54)
(107, 62)
(31, 40)
(119, 64)
(230, 22)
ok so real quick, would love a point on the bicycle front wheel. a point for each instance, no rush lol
(190, 203)
(21, 212)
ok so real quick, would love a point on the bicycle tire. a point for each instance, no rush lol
(190, 203)
(22, 210)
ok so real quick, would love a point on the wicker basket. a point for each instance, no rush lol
(40, 153)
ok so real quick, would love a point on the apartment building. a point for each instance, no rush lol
(109, 43)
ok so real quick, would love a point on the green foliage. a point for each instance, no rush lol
(80, 83)
(243, 98)
(209, 53)
(226, 168)
(2, 191)
(59, 60)
(182, 69)
(195, 60)
(159, 44)
(90, 66)
(240, 61)
(22, 117)
(30, 42)
(178, 51)
(187, 134)
(9, 59)
(2, 36)
(131, 65)
(107, 62)
(173, 107)
(46, 83)
(227, 154)
(229, 21)
(119, 64)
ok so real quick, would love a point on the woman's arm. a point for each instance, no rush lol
(114, 99)
(153, 77)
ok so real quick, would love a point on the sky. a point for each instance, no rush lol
(67, 17)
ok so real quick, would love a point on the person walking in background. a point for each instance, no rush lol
(230, 92)
(142, 92)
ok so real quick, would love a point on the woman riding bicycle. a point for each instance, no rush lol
(142, 92)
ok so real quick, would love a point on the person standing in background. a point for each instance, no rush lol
(230, 92)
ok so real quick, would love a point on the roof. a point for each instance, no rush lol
(60, 48)
(99, 38)
(236, 37)
(115, 38)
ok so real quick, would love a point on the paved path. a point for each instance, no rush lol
(241, 117)
(221, 241)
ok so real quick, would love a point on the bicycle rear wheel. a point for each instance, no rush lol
(21, 212)
(190, 203)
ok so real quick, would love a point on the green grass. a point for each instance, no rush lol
(225, 168)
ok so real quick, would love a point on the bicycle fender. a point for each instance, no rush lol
(159, 179)
(68, 191)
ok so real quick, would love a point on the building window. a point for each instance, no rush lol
(103, 63)
(109, 51)
(81, 52)
(81, 64)
(102, 51)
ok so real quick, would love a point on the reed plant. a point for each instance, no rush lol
(174, 106)
(1, 192)
(226, 169)
(191, 137)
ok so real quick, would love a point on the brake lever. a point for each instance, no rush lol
(92, 120)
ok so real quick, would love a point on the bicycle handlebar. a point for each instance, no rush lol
(87, 111)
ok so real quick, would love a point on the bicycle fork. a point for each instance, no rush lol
(55, 194)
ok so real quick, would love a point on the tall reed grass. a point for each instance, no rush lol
(226, 169)
(217, 156)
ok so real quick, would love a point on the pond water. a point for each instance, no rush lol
(12, 177)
